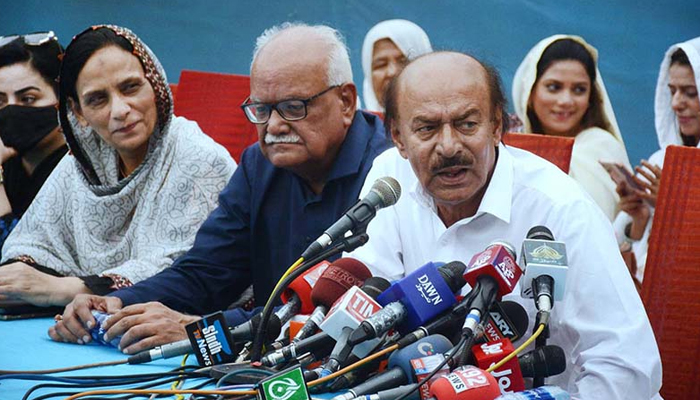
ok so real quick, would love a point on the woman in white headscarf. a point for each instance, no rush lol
(677, 120)
(558, 90)
(388, 46)
(131, 196)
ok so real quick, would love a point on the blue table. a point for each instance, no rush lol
(26, 345)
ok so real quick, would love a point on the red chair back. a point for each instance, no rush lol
(213, 100)
(671, 286)
(555, 149)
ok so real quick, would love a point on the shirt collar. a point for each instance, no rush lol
(498, 195)
(350, 156)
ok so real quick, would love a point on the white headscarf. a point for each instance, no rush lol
(410, 38)
(86, 221)
(666, 121)
(590, 145)
(526, 75)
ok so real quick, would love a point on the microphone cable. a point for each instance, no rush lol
(347, 244)
(465, 340)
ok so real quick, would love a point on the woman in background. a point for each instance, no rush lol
(31, 143)
(558, 90)
(133, 194)
(677, 120)
(388, 46)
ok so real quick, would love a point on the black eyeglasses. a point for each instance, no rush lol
(290, 110)
(31, 39)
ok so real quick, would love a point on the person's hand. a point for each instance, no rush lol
(6, 153)
(77, 320)
(650, 187)
(144, 326)
(20, 281)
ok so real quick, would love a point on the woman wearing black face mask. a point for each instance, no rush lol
(31, 143)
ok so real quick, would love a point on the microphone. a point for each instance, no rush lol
(465, 383)
(385, 192)
(346, 314)
(509, 375)
(492, 274)
(336, 279)
(400, 368)
(303, 285)
(507, 320)
(322, 340)
(509, 312)
(240, 333)
(414, 300)
(543, 362)
(540, 393)
(546, 267)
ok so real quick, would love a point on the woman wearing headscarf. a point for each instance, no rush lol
(137, 187)
(388, 46)
(558, 90)
(31, 142)
(677, 120)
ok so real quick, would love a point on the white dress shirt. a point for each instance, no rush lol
(601, 323)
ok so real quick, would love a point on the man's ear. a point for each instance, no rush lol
(348, 98)
(398, 140)
(78, 113)
(498, 128)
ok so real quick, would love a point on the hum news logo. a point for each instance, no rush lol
(211, 343)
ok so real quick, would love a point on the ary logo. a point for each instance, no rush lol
(283, 389)
(546, 252)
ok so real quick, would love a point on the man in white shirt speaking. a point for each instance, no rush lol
(464, 189)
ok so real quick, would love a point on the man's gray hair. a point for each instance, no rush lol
(339, 68)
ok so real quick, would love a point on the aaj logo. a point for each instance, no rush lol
(283, 389)
(546, 252)
(427, 290)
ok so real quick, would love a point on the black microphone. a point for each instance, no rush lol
(240, 333)
(543, 362)
(384, 193)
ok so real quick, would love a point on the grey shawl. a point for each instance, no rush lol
(85, 221)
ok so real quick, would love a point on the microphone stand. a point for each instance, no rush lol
(348, 244)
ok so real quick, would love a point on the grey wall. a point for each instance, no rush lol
(218, 35)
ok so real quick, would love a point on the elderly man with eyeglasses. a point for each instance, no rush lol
(307, 169)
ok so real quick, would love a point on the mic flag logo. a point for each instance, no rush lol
(546, 252)
(286, 385)
(427, 290)
(211, 340)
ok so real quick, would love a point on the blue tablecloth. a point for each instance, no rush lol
(25, 345)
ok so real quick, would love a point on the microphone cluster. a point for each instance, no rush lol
(443, 344)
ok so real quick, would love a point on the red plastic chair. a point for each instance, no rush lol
(213, 100)
(554, 149)
(671, 286)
